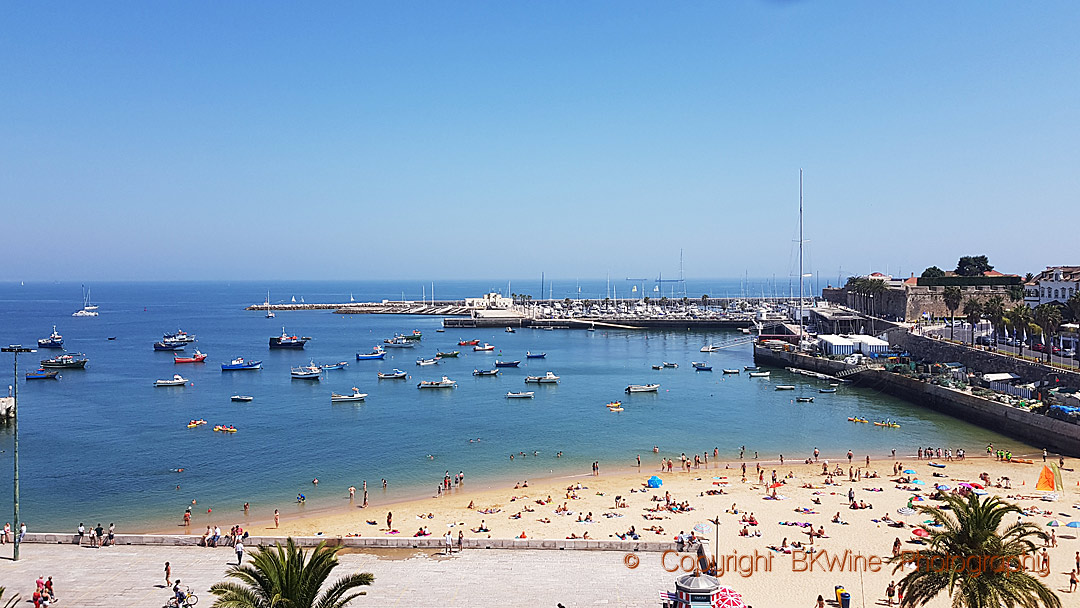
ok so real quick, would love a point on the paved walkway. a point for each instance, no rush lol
(129, 575)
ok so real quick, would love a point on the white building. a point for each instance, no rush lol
(489, 301)
(1055, 284)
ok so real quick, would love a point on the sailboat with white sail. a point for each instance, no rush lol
(88, 309)
(269, 313)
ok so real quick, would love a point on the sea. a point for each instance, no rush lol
(105, 445)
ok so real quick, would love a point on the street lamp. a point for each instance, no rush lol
(16, 349)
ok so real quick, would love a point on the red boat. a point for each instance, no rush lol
(468, 343)
(197, 357)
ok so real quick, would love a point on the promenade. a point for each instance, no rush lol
(129, 575)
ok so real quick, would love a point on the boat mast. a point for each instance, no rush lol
(800, 260)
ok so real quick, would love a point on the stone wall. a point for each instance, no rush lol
(910, 301)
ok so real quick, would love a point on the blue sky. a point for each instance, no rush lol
(444, 140)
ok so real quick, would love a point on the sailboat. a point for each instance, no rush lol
(269, 313)
(88, 309)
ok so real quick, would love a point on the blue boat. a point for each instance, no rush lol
(42, 374)
(529, 355)
(702, 367)
(397, 374)
(240, 364)
(378, 353)
(55, 340)
(507, 363)
(169, 345)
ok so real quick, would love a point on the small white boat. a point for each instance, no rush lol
(307, 372)
(397, 374)
(804, 400)
(760, 374)
(709, 348)
(670, 364)
(510, 330)
(432, 361)
(785, 387)
(750, 368)
(444, 383)
(643, 388)
(338, 365)
(485, 348)
(731, 371)
(548, 378)
(242, 398)
(177, 380)
(522, 395)
(355, 396)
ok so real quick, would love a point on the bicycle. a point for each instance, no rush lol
(189, 601)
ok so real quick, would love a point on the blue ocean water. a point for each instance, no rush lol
(102, 444)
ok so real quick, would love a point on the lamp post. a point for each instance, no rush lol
(16, 349)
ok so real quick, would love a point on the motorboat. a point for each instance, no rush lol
(66, 361)
(702, 366)
(55, 340)
(731, 371)
(468, 343)
(760, 374)
(485, 372)
(750, 368)
(242, 398)
(177, 380)
(709, 348)
(355, 396)
(521, 395)
(531, 355)
(804, 400)
(485, 348)
(179, 336)
(507, 363)
(286, 341)
(548, 378)
(826, 390)
(510, 330)
(169, 345)
(338, 365)
(307, 372)
(444, 383)
(658, 367)
(399, 342)
(450, 355)
(642, 388)
(670, 364)
(415, 335)
(785, 387)
(43, 374)
(239, 363)
(196, 357)
(397, 374)
(431, 361)
(376, 353)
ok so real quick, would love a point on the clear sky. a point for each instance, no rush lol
(439, 140)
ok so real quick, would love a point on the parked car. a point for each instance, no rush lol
(984, 341)
(1038, 346)
(1068, 352)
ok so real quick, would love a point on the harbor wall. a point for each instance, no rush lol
(1035, 429)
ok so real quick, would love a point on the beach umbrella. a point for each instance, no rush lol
(964, 484)
(1073, 524)
(919, 482)
(1053, 523)
(776, 485)
(975, 485)
(702, 528)
(655, 482)
(920, 533)
(726, 597)
(918, 499)
(980, 492)
(942, 486)
(909, 472)
(905, 511)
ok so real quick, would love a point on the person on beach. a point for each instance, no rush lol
(352, 492)
(277, 518)
(1072, 581)
(820, 602)
(460, 540)
(239, 547)
(449, 542)
(389, 520)
(365, 498)
(816, 453)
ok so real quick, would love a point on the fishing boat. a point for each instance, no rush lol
(170, 345)
(398, 342)
(521, 395)
(709, 348)
(804, 400)
(826, 390)
(338, 365)
(196, 357)
(785, 387)
(55, 340)
(702, 366)
(468, 343)
(548, 378)
(43, 374)
(449, 355)
(431, 361)
(355, 396)
(485, 372)
(286, 341)
(760, 374)
(444, 383)
(242, 398)
(415, 335)
(177, 380)
(376, 353)
(643, 388)
(307, 372)
(485, 348)
(66, 361)
(531, 355)
(88, 309)
(510, 330)
(507, 363)
(179, 336)
(397, 374)
(239, 363)
(670, 364)
(731, 371)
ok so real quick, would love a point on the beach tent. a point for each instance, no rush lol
(654, 482)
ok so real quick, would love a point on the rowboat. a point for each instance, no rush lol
(42, 374)
(642, 388)
(750, 368)
(177, 380)
(306, 372)
(196, 357)
(355, 396)
(531, 355)
(195, 423)
(759, 374)
(444, 383)
(222, 428)
(826, 390)
(785, 387)
(658, 367)
(169, 345)
(66, 361)
(522, 395)
(702, 366)
(468, 343)
(485, 348)
(55, 340)
(507, 363)
(449, 355)
(804, 400)
(731, 371)
(670, 364)
(338, 365)
(709, 348)
(485, 372)
(242, 398)
(397, 374)
(548, 378)
(238, 364)
(377, 353)
(431, 361)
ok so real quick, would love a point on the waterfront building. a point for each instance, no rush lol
(1056, 284)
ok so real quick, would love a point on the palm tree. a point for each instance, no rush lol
(1016, 292)
(12, 601)
(289, 577)
(969, 529)
(952, 297)
(1048, 318)
(1019, 317)
(994, 311)
(973, 311)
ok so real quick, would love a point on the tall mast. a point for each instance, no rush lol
(800, 261)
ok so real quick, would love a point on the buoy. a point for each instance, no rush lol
(208, 510)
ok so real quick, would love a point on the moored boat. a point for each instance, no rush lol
(444, 383)
(702, 366)
(179, 336)
(760, 374)
(307, 372)
(242, 398)
(731, 371)
(376, 353)
(485, 372)
(670, 364)
(709, 348)
(548, 378)
(355, 396)
(826, 390)
(196, 357)
(240, 364)
(658, 367)
(521, 395)
(171, 345)
(510, 330)
(468, 343)
(66, 361)
(397, 374)
(485, 348)
(804, 400)
(338, 365)
(177, 380)
(55, 340)
(507, 363)
(532, 355)
(398, 342)
(286, 341)
(785, 387)
(450, 355)
(751, 368)
(88, 309)
(415, 335)
(42, 374)
(431, 361)
(643, 388)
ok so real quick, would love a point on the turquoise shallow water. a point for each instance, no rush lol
(101, 444)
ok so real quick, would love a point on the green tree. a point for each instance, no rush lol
(952, 297)
(970, 527)
(1029, 277)
(1048, 318)
(933, 272)
(973, 311)
(994, 311)
(1073, 306)
(288, 577)
(1019, 318)
(1016, 293)
(973, 266)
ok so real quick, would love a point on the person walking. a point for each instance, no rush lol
(22, 532)
(449, 541)
(239, 551)
(890, 592)
(168, 575)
